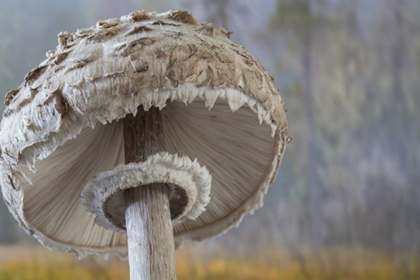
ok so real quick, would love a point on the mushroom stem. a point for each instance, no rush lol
(148, 218)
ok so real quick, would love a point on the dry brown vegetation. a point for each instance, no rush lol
(25, 263)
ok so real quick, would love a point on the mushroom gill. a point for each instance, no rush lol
(239, 144)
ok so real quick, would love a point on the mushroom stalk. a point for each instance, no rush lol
(148, 218)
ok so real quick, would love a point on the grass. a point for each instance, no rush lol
(20, 263)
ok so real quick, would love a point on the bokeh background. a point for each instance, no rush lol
(346, 202)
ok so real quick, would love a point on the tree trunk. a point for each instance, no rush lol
(399, 129)
(348, 201)
(148, 218)
(398, 108)
(312, 161)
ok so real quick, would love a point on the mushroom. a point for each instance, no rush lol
(152, 126)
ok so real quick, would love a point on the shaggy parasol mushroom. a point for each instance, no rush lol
(91, 148)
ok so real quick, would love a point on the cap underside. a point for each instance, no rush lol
(241, 154)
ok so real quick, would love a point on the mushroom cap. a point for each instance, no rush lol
(63, 125)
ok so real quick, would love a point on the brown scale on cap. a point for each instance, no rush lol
(225, 32)
(206, 29)
(184, 17)
(34, 74)
(107, 24)
(64, 38)
(139, 16)
(10, 96)
(162, 23)
(80, 63)
(138, 29)
(60, 57)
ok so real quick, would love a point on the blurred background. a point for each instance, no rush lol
(346, 202)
